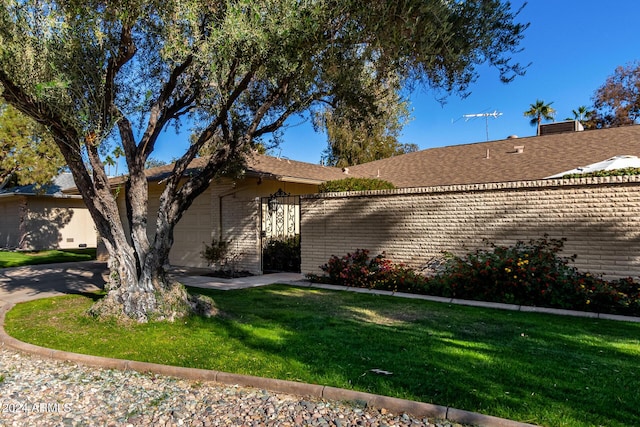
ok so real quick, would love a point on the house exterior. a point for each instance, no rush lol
(49, 219)
(238, 209)
(459, 199)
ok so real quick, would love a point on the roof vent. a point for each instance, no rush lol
(512, 137)
(561, 127)
(519, 149)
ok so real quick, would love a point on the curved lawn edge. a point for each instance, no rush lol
(472, 303)
(414, 408)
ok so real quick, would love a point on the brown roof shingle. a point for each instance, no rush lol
(267, 167)
(484, 162)
(499, 161)
(290, 170)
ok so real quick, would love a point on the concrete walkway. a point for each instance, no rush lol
(27, 283)
(237, 283)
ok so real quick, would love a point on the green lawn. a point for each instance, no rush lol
(17, 259)
(543, 369)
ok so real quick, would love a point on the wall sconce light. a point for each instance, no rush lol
(272, 204)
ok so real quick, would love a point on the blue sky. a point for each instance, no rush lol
(573, 46)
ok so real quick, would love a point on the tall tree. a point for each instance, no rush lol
(369, 131)
(27, 152)
(90, 70)
(117, 153)
(617, 101)
(580, 114)
(152, 162)
(585, 116)
(540, 111)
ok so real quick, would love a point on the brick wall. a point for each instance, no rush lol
(600, 217)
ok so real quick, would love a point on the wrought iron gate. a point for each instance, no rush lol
(280, 216)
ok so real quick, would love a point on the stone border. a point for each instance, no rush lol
(472, 303)
(416, 409)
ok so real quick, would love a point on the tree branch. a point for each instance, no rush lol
(208, 133)
(296, 107)
(126, 51)
(280, 91)
(158, 115)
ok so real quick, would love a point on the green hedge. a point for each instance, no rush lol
(282, 254)
(614, 172)
(355, 184)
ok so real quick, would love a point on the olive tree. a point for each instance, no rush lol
(97, 71)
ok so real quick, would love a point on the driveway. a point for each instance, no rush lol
(40, 281)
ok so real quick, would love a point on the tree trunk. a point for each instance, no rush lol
(141, 294)
(138, 286)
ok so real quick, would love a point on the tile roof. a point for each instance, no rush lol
(263, 166)
(58, 185)
(290, 170)
(483, 162)
(499, 161)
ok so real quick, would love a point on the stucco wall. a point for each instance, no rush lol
(10, 214)
(192, 230)
(39, 222)
(600, 217)
(60, 223)
(227, 209)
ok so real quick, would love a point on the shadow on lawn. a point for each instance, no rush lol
(70, 277)
(522, 366)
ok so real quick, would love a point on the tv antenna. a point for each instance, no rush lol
(486, 116)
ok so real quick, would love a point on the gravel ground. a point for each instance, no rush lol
(42, 392)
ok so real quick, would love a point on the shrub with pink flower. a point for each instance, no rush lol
(533, 273)
(358, 269)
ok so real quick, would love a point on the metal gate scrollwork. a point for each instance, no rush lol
(280, 232)
(280, 215)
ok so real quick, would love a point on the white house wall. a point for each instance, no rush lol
(57, 223)
(228, 210)
(10, 221)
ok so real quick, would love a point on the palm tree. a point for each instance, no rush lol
(109, 162)
(581, 114)
(539, 111)
(117, 153)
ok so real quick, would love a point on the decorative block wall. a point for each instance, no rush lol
(600, 217)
